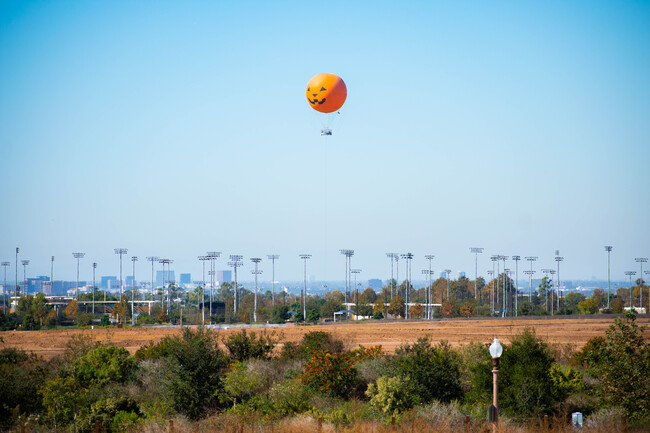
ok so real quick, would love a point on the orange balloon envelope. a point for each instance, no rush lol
(326, 92)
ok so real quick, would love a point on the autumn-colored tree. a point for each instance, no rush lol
(416, 311)
(588, 306)
(448, 309)
(368, 296)
(396, 307)
(72, 309)
(466, 310)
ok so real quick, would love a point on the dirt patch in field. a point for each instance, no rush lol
(574, 331)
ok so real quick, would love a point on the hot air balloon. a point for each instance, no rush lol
(326, 94)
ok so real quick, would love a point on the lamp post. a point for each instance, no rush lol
(629, 274)
(256, 272)
(641, 261)
(305, 257)
(608, 248)
(273, 258)
(495, 352)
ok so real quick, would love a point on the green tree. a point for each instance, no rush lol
(103, 365)
(433, 370)
(329, 308)
(571, 301)
(622, 366)
(21, 375)
(279, 314)
(62, 397)
(588, 306)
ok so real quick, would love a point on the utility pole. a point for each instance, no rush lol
(305, 257)
(256, 272)
(608, 248)
(273, 258)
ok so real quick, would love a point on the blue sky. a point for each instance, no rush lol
(176, 128)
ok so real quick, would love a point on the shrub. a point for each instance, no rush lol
(279, 314)
(21, 375)
(289, 397)
(434, 370)
(392, 394)
(102, 366)
(243, 346)
(317, 341)
(330, 373)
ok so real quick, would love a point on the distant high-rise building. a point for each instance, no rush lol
(106, 281)
(186, 278)
(35, 285)
(375, 284)
(224, 276)
(461, 274)
(170, 277)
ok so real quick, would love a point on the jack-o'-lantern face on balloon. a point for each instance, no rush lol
(326, 92)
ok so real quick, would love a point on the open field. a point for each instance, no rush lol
(562, 330)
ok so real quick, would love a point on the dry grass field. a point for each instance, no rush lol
(573, 331)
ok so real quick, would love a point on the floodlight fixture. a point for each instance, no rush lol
(408, 257)
(152, 259)
(236, 262)
(393, 257)
(558, 259)
(630, 274)
(121, 252)
(476, 251)
(77, 256)
(641, 261)
(348, 264)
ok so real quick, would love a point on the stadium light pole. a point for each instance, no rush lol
(4, 288)
(558, 259)
(152, 259)
(516, 259)
(16, 285)
(25, 288)
(552, 272)
(476, 251)
(348, 264)
(52, 274)
(608, 248)
(392, 257)
(495, 259)
(508, 273)
(94, 268)
(304, 258)
(429, 257)
(407, 290)
(546, 272)
(447, 273)
(77, 256)
(641, 261)
(531, 259)
(491, 274)
(235, 262)
(648, 310)
(121, 252)
(201, 303)
(133, 291)
(630, 274)
(213, 255)
(356, 289)
(504, 303)
(273, 258)
(169, 294)
(256, 272)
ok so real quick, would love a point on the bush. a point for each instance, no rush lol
(279, 314)
(434, 370)
(21, 375)
(243, 346)
(102, 366)
(332, 374)
(391, 395)
(289, 397)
